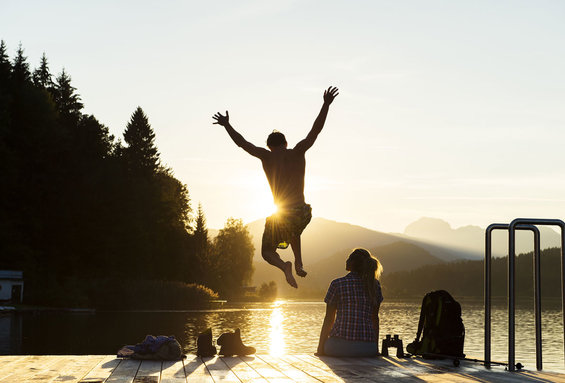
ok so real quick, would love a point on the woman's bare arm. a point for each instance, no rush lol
(329, 320)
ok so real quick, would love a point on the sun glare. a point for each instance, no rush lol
(265, 205)
(259, 191)
(277, 329)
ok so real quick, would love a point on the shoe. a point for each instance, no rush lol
(204, 344)
(231, 344)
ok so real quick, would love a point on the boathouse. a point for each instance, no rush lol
(11, 286)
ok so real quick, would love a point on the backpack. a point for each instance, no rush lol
(440, 325)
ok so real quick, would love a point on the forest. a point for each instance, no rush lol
(96, 221)
(466, 278)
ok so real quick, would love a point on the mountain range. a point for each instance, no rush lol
(326, 245)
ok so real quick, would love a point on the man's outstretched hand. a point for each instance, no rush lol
(330, 94)
(222, 120)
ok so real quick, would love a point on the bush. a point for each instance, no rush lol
(150, 295)
(268, 292)
(115, 294)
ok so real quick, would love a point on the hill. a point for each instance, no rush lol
(397, 256)
(472, 238)
(466, 278)
(323, 238)
(428, 241)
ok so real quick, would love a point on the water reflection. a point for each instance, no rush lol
(277, 347)
(272, 328)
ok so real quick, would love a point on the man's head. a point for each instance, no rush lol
(276, 140)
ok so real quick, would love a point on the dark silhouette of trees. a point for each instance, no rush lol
(20, 69)
(268, 291)
(141, 153)
(5, 65)
(83, 214)
(42, 78)
(67, 100)
(466, 278)
(232, 258)
(203, 263)
(201, 232)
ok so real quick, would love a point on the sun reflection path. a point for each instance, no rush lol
(277, 347)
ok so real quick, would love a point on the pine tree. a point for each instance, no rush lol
(201, 231)
(141, 153)
(20, 69)
(5, 65)
(41, 76)
(67, 100)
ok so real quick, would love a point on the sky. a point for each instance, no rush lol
(447, 109)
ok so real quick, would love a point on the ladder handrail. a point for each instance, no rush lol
(487, 290)
(511, 265)
(520, 224)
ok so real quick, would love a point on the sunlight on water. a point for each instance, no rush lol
(282, 327)
(277, 346)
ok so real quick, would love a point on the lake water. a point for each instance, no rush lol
(275, 328)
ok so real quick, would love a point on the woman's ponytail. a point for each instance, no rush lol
(369, 268)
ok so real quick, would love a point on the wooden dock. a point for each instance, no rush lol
(258, 368)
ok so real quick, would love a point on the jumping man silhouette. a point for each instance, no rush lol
(285, 170)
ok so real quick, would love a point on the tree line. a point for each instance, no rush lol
(91, 219)
(466, 278)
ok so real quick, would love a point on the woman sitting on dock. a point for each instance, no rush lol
(351, 324)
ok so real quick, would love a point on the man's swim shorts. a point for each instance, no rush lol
(285, 225)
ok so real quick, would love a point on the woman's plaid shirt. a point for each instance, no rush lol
(354, 308)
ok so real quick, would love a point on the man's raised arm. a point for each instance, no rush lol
(329, 95)
(238, 138)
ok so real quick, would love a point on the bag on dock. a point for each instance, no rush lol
(440, 326)
(155, 348)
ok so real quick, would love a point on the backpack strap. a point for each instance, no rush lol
(422, 318)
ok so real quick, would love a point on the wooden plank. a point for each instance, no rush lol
(265, 370)
(242, 370)
(149, 372)
(196, 371)
(314, 371)
(289, 370)
(77, 367)
(102, 371)
(444, 370)
(6, 360)
(173, 372)
(362, 369)
(13, 365)
(45, 368)
(547, 376)
(397, 367)
(219, 370)
(125, 372)
(262, 368)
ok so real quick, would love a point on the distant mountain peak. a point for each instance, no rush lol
(426, 226)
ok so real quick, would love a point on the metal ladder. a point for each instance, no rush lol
(519, 224)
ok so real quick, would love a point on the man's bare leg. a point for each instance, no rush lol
(297, 250)
(272, 257)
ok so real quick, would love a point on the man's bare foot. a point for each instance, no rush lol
(288, 274)
(300, 271)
